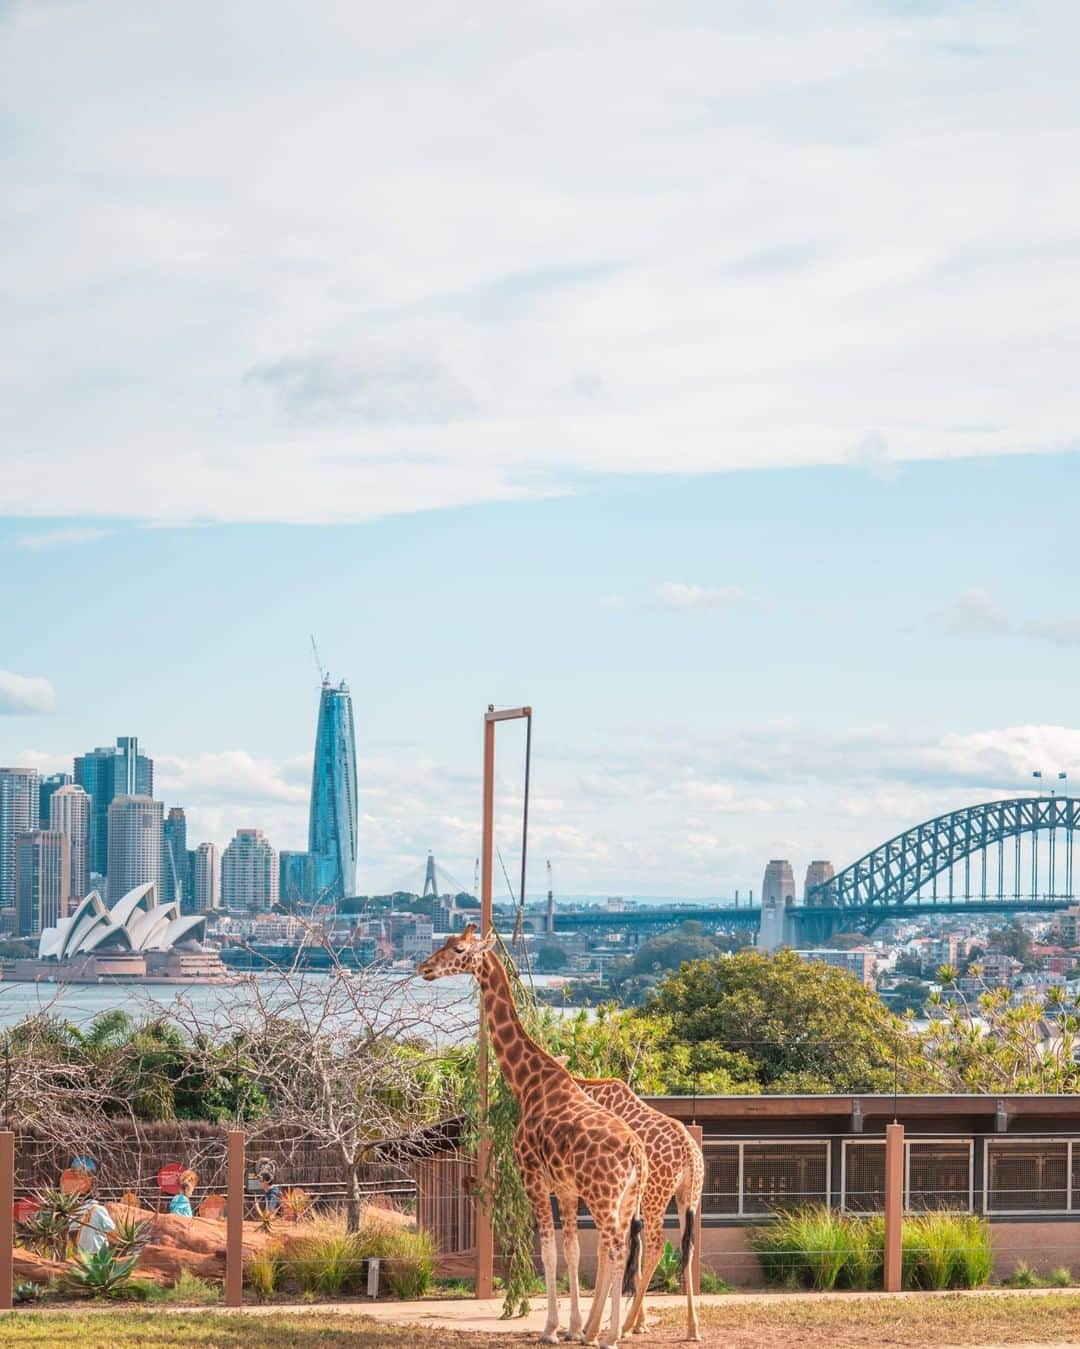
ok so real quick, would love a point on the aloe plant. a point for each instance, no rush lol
(102, 1274)
(132, 1234)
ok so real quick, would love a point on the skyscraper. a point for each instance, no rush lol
(296, 877)
(175, 879)
(135, 844)
(69, 812)
(46, 787)
(42, 880)
(333, 821)
(249, 872)
(207, 878)
(105, 773)
(19, 808)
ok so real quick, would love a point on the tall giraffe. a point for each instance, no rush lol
(566, 1145)
(676, 1168)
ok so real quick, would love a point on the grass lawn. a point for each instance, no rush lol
(931, 1320)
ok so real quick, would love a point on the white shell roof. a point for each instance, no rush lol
(136, 922)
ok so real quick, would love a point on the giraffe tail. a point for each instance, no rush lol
(687, 1243)
(633, 1257)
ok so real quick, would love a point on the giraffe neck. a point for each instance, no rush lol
(518, 1054)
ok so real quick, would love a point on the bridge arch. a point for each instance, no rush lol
(895, 872)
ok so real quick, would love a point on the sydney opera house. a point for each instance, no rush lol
(138, 938)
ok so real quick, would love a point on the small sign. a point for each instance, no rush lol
(373, 1277)
(168, 1178)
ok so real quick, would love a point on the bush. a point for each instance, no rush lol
(263, 1273)
(410, 1264)
(1060, 1277)
(131, 1235)
(102, 1274)
(328, 1262)
(815, 1247)
(711, 1282)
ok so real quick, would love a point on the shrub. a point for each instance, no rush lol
(410, 1264)
(102, 1274)
(1060, 1277)
(28, 1291)
(711, 1282)
(48, 1231)
(1023, 1276)
(327, 1262)
(817, 1248)
(263, 1273)
(131, 1235)
(190, 1289)
(667, 1277)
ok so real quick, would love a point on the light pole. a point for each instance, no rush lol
(485, 1249)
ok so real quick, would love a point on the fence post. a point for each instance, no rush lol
(695, 1132)
(894, 1206)
(7, 1217)
(234, 1220)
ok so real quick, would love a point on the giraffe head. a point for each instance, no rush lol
(462, 953)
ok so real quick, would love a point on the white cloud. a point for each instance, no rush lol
(60, 538)
(232, 775)
(263, 298)
(974, 614)
(695, 598)
(22, 695)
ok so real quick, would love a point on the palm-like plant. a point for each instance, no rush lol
(102, 1274)
(49, 1229)
(132, 1234)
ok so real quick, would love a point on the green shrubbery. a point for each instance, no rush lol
(816, 1247)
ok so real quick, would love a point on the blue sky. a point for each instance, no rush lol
(705, 377)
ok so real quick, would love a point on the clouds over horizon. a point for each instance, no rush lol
(329, 271)
(976, 613)
(25, 695)
(671, 813)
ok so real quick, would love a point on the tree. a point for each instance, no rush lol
(550, 959)
(996, 1044)
(802, 1026)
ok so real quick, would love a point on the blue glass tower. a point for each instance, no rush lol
(333, 821)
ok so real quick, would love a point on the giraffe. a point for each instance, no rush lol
(676, 1167)
(566, 1144)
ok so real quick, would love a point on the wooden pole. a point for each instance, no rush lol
(695, 1132)
(894, 1207)
(7, 1217)
(234, 1220)
(485, 1246)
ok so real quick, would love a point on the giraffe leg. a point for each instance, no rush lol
(688, 1199)
(636, 1323)
(540, 1198)
(572, 1253)
(600, 1290)
(616, 1257)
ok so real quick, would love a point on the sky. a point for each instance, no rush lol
(702, 374)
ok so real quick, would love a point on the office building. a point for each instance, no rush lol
(176, 876)
(42, 880)
(69, 812)
(249, 872)
(19, 806)
(332, 827)
(296, 878)
(860, 963)
(104, 774)
(46, 787)
(135, 844)
(206, 877)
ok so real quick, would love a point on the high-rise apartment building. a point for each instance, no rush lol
(19, 806)
(46, 787)
(332, 826)
(176, 877)
(207, 877)
(69, 812)
(42, 880)
(249, 872)
(135, 844)
(104, 774)
(296, 877)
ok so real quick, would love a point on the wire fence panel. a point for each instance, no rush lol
(862, 1187)
(1029, 1175)
(939, 1174)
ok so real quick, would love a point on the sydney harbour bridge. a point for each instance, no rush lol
(997, 857)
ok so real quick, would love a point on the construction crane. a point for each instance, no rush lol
(550, 926)
(324, 674)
